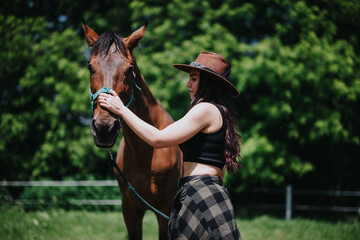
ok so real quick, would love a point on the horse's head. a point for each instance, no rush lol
(112, 66)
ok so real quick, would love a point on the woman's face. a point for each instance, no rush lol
(193, 83)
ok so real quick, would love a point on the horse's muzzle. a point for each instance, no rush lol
(105, 134)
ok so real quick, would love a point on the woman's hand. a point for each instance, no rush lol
(111, 102)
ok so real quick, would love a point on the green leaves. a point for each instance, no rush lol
(297, 95)
(295, 63)
(43, 134)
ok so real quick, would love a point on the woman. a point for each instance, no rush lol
(207, 136)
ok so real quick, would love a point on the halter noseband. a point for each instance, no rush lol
(94, 96)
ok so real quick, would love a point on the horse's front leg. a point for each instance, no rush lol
(133, 217)
(163, 227)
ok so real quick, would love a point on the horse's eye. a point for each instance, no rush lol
(90, 68)
(131, 68)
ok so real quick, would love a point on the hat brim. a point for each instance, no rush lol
(187, 68)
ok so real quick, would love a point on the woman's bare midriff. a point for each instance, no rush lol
(191, 168)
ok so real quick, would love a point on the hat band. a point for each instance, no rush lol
(195, 64)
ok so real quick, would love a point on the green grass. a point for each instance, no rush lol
(16, 224)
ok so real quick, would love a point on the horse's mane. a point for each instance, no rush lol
(105, 41)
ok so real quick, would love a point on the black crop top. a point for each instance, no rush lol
(206, 148)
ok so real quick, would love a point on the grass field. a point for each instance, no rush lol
(16, 224)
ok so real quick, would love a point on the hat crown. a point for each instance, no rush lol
(215, 62)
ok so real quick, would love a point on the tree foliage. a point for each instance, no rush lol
(45, 103)
(296, 64)
(298, 114)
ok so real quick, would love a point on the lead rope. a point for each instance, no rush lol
(113, 163)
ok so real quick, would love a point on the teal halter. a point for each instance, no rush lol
(94, 96)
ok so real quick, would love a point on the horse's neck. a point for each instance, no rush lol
(145, 102)
(146, 107)
(144, 94)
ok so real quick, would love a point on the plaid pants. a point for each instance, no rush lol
(202, 209)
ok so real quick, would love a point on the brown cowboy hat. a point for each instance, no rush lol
(214, 65)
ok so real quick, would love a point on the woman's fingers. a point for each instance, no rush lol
(103, 99)
(113, 92)
(111, 102)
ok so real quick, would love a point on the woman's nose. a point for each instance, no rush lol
(188, 84)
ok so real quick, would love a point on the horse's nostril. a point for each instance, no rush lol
(117, 123)
(93, 127)
(103, 130)
(115, 128)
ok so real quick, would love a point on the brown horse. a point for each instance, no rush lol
(152, 172)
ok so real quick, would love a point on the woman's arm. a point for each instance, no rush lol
(223, 171)
(198, 118)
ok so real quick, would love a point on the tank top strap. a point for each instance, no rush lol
(222, 114)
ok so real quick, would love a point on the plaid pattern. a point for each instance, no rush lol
(202, 209)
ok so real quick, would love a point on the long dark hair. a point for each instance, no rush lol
(212, 91)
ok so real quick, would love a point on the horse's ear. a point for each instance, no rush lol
(90, 35)
(133, 40)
